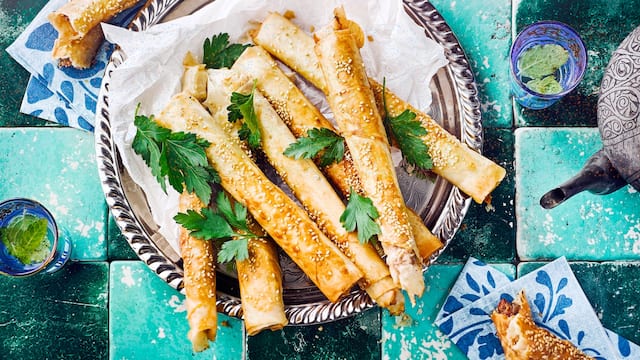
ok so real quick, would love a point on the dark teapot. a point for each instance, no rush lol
(618, 162)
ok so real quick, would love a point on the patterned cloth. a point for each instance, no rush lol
(557, 302)
(67, 96)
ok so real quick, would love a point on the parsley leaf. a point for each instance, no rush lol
(178, 156)
(321, 141)
(407, 132)
(228, 224)
(360, 215)
(234, 250)
(542, 60)
(26, 239)
(218, 53)
(241, 107)
(205, 225)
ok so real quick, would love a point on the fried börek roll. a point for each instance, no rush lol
(199, 266)
(301, 115)
(359, 122)
(317, 196)
(472, 173)
(290, 227)
(522, 339)
(260, 282)
(77, 17)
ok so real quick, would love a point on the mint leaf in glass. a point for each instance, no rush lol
(26, 239)
(547, 85)
(542, 60)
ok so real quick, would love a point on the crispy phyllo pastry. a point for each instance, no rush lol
(301, 116)
(472, 173)
(469, 171)
(78, 53)
(522, 339)
(359, 122)
(260, 282)
(79, 31)
(315, 193)
(289, 226)
(199, 264)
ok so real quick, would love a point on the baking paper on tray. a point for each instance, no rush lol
(398, 51)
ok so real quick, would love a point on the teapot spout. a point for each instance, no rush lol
(598, 176)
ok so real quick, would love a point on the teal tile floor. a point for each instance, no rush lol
(108, 305)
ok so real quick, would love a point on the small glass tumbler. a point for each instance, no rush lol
(568, 75)
(58, 251)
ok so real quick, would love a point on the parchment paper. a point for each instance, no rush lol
(150, 75)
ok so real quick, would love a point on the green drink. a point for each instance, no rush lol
(29, 239)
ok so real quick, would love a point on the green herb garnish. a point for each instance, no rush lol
(242, 108)
(218, 53)
(407, 131)
(26, 239)
(360, 215)
(228, 224)
(546, 85)
(177, 156)
(321, 141)
(539, 63)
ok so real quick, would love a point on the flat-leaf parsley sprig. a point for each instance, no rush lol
(360, 215)
(241, 107)
(178, 157)
(219, 53)
(321, 141)
(407, 131)
(227, 224)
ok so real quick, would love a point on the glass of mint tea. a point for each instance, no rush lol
(30, 240)
(548, 60)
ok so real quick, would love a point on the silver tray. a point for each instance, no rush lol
(455, 106)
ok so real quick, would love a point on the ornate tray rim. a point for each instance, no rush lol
(467, 104)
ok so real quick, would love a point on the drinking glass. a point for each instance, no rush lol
(59, 249)
(568, 75)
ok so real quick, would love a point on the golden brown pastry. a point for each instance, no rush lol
(522, 339)
(290, 227)
(317, 196)
(359, 122)
(301, 116)
(260, 282)
(78, 52)
(472, 173)
(79, 31)
(199, 266)
(77, 17)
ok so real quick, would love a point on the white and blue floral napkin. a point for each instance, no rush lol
(67, 96)
(557, 302)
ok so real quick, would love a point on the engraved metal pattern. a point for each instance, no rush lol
(455, 98)
(619, 109)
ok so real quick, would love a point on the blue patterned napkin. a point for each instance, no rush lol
(557, 301)
(67, 96)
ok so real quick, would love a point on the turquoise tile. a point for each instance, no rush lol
(354, 338)
(487, 31)
(57, 167)
(414, 335)
(488, 231)
(117, 246)
(613, 289)
(586, 226)
(147, 319)
(56, 316)
(602, 26)
(14, 18)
